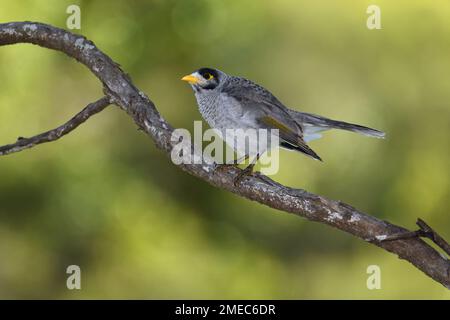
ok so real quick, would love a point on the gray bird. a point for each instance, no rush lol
(229, 102)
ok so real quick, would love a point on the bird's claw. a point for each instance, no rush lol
(248, 171)
(221, 167)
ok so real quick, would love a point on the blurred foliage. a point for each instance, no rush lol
(106, 199)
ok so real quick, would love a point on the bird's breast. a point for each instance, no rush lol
(220, 111)
(224, 113)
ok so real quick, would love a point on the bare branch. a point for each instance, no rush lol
(300, 202)
(428, 232)
(425, 231)
(55, 134)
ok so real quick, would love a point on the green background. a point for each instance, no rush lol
(106, 199)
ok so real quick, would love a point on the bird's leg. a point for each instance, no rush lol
(234, 162)
(246, 172)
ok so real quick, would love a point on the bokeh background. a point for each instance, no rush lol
(106, 199)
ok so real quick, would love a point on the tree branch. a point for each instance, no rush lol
(425, 231)
(300, 202)
(55, 134)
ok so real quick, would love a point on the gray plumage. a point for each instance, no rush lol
(229, 102)
(317, 123)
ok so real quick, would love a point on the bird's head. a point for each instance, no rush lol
(205, 79)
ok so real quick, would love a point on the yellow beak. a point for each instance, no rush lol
(191, 79)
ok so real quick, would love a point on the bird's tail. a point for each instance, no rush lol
(312, 124)
(303, 148)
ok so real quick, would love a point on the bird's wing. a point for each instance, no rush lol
(259, 102)
(288, 139)
(269, 112)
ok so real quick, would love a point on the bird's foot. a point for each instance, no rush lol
(219, 167)
(248, 171)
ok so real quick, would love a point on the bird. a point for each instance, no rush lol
(232, 102)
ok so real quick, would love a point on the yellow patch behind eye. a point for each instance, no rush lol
(208, 76)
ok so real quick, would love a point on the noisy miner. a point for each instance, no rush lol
(230, 102)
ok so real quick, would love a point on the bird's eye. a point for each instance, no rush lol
(208, 76)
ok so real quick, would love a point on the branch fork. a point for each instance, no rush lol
(424, 231)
